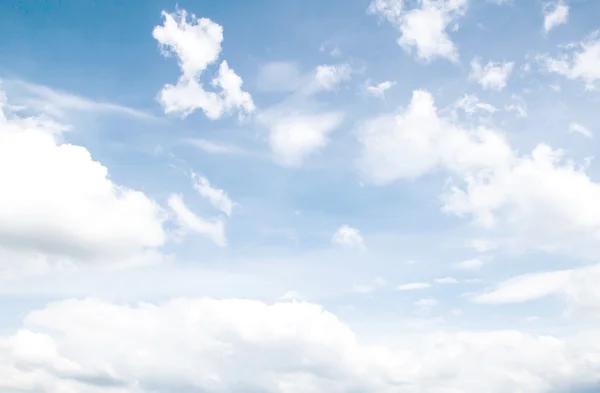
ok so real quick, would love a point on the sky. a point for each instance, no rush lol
(299, 196)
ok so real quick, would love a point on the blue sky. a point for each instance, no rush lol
(362, 195)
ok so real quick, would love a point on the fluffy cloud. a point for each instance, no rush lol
(555, 14)
(58, 205)
(581, 61)
(491, 76)
(424, 27)
(298, 126)
(190, 222)
(537, 200)
(197, 44)
(90, 346)
(347, 236)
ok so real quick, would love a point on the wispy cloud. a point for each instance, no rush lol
(58, 102)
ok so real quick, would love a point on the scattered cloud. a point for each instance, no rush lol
(580, 61)
(217, 197)
(379, 89)
(424, 27)
(493, 75)
(347, 236)
(58, 204)
(413, 286)
(470, 264)
(555, 14)
(447, 280)
(190, 222)
(579, 129)
(197, 44)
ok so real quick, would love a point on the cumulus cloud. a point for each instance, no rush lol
(197, 44)
(493, 75)
(538, 200)
(580, 61)
(423, 28)
(555, 14)
(347, 236)
(236, 345)
(58, 204)
(299, 126)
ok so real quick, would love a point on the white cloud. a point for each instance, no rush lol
(578, 286)
(471, 104)
(423, 28)
(413, 286)
(518, 105)
(190, 222)
(493, 75)
(58, 204)
(294, 137)
(579, 129)
(217, 197)
(298, 126)
(417, 141)
(379, 89)
(470, 264)
(206, 344)
(327, 77)
(529, 201)
(583, 64)
(197, 44)
(348, 237)
(555, 14)
(447, 280)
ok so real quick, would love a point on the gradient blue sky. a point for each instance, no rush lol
(392, 259)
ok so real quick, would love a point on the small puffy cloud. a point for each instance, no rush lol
(423, 28)
(379, 89)
(581, 61)
(327, 77)
(190, 222)
(347, 236)
(197, 44)
(59, 207)
(493, 75)
(413, 286)
(555, 14)
(470, 264)
(579, 129)
(293, 137)
(217, 197)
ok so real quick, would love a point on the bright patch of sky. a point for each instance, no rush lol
(300, 196)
